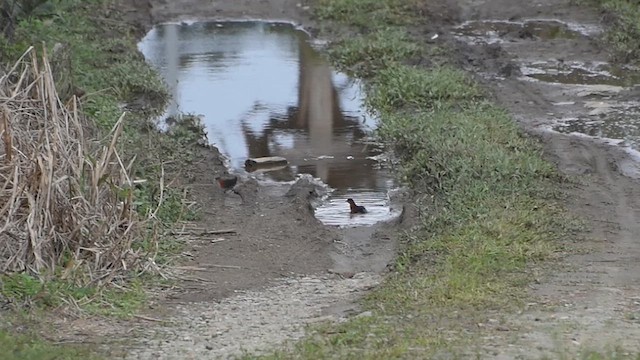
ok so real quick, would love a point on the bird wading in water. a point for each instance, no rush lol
(356, 209)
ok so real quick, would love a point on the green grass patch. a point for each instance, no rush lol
(465, 152)
(362, 56)
(488, 200)
(104, 59)
(624, 33)
(23, 347)
(622, 36)
(367, 14)
(29, 292)
(401, 87)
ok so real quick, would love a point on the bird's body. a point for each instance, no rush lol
(356, 209)
(228, 182)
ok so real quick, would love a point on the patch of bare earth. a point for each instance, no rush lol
(286, 10)
(591, 300)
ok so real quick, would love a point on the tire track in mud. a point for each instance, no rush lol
(592, 300)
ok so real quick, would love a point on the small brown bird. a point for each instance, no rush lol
(356, 209)
(228, 182)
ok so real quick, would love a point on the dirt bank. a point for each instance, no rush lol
(288, 10)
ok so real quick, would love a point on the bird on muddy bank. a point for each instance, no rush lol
(356, 209)
(228, 182)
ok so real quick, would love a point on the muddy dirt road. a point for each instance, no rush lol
(547, 74)
(593, 300)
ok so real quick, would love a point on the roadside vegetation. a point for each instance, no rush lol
(23, 347)
(622, 34)
(86, 200)
(488, 202)
(624, 30)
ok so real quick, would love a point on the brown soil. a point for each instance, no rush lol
(274, 235)
(289, 10)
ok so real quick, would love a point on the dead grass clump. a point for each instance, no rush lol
(66, 201)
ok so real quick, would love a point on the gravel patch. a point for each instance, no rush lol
(252, 321)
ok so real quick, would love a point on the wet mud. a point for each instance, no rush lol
(562, 88)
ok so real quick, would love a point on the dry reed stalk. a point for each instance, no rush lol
(66, 201)
(5, 130)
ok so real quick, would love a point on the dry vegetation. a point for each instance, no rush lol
(66, 198)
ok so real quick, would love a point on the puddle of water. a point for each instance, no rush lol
(580, 73)
(336, 211)
(497, 31)
(261, 90)
(615, 121)
(628, 165)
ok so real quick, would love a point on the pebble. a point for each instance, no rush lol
(365, 314)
